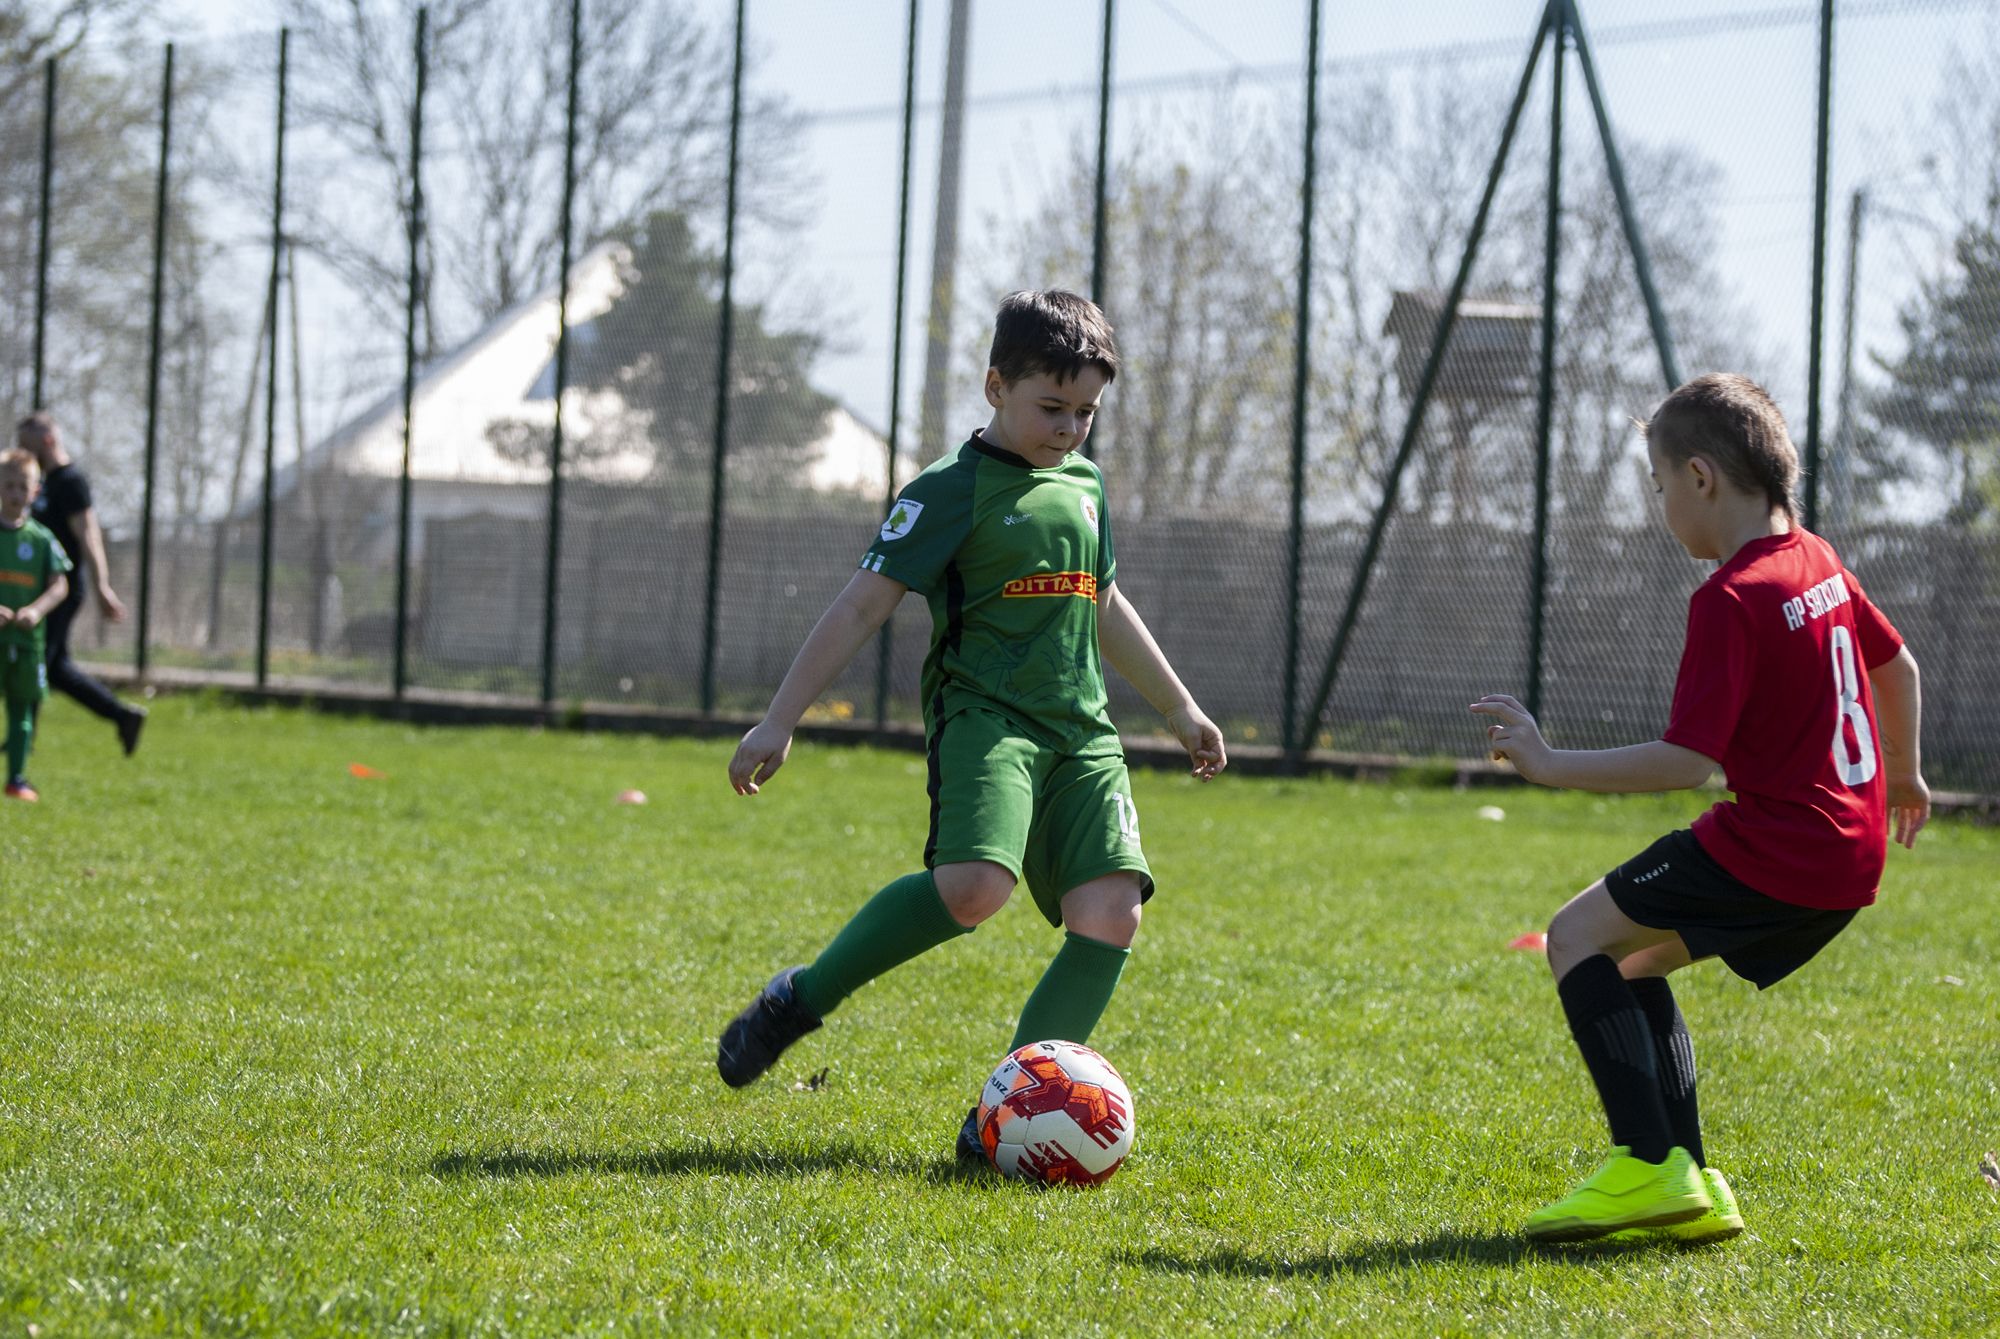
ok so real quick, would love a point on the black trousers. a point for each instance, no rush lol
(65, 675)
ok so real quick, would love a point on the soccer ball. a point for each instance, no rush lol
(1058, 1113)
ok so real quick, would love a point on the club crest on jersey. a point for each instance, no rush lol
(901, 519)
(24, 551)
(1089, 505)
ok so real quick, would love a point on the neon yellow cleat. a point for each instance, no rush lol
(1722, 1221)
(1625, 1192)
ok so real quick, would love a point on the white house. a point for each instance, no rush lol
(505, 374)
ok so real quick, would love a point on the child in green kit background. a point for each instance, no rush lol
(32, 583)
(1009, 540)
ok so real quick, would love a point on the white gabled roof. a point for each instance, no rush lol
(497, 376)
(504, 374)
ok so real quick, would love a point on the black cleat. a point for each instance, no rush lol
(129, 726)
(970, 1150)
(755, 1038)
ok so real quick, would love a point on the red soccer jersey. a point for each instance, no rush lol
(1774, 686)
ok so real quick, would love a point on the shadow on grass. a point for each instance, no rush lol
(699, 1159)
(1498, 1249)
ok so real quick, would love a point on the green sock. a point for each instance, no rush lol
(1073, 992)
(20, 737)
(904, 919)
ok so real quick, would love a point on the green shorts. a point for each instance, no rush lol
(1055, 820)
(24, 675)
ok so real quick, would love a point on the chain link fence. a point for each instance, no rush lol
(570, 353)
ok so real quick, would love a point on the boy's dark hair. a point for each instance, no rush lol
(1053, 331)
(1736, 424)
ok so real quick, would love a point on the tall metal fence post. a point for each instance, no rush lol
(1821, 138)
(717, 471)
(153, 366)
(931, 430)
(1364, 567)
(1538, 578)
(1839, 457)
(42, 224)
(1097, 224)
(553, 571)
(271, 397)
(884, 644)
(400, 676)
(1097, 239)
(1300, 376)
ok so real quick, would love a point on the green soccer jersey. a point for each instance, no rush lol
(30, 561)
(1011, 559)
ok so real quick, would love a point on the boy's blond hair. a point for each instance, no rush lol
(14, 458)
(1736, 425)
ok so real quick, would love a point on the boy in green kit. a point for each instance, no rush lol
(32, 564)
(1009, 540)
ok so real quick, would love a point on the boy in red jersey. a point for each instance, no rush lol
(1806, 696)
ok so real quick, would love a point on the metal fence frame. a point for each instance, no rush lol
(1560, 27)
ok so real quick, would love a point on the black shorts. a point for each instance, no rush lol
(1675, 885)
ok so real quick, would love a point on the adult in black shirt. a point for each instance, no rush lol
(64, 506)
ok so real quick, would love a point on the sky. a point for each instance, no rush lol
(1734, 80)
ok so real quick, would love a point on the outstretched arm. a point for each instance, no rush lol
(855, 615)
(1656, 765)
(1898, 716)
(1131, 650)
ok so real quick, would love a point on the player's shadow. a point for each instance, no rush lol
(698, 1159)
(1497, 1249)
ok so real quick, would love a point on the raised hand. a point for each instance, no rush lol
(1513, 736)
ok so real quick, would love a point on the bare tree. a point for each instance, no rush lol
(1400, 183)
(1966, 124)
(1401, 174)
(1198, 292)
(31, 33)
(1610, 370)
(1204, 215)
(652, 134)
(100, 214)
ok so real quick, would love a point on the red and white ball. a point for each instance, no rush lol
(1056, 1112)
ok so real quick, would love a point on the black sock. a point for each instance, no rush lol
(1673, 1052)
(1617, 1046)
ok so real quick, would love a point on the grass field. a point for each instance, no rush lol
(286, 1051)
